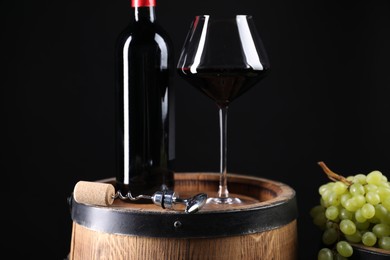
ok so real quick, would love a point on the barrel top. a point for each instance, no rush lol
(259, 191)
(274, 205)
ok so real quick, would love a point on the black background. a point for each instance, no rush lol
(326, 99)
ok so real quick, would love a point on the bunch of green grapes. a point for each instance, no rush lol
(352, 210)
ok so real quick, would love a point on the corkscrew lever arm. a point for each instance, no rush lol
(193, 204)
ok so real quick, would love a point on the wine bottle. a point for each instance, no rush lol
(144, 106)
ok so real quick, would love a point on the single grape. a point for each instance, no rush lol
(386, 203)
(356, 189)
(325, 254)
(317, 209)
(385, 184)
(375, 220)
(320, 220)
(386, 219)
(369, 238)
(339, 188)
(370, 187)
(332, 212)
(374, 177)
(384, 193)
(354, 238)
(330, 236)
(368, 211)
(384, 243)
(351, 205)
(322, 189)
(326, 194)
(324, 203)
(344, 248)
(331, 224)
(333, 199)
(359, 216)
(373, 198)
(345, 214)
(360, 178)
(359, 200)
(362, 225)
(381, 230)
(344, 198)
(380, 211)
(347, 226)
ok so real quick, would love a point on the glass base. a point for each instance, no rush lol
(228, 200)
(234, 201)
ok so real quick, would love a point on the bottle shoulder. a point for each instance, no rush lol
(146, 37)
(144, 29)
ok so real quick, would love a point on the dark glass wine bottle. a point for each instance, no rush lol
(144, 104)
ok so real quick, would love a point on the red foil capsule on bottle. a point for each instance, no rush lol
(140, 3)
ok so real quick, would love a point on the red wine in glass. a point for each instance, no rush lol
(223, 58)
(223, 85)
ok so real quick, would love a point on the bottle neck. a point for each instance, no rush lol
(144, 13)
(144, 10)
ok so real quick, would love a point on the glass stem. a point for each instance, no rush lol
(223, 190)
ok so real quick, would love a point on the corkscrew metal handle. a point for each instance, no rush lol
(103, 194)
(167, 199)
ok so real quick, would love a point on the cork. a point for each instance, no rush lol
(94, 193)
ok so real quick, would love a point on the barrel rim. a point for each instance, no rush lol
(371, 250)
(181, 225)
(177, 224)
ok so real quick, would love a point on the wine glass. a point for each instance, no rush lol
(223, 57)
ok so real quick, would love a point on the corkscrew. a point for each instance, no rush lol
(167, 199)
(103, 194)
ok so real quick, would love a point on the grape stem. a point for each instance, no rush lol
(332, 175)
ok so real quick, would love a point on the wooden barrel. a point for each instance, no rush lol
(362, 252)
(265, 229)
